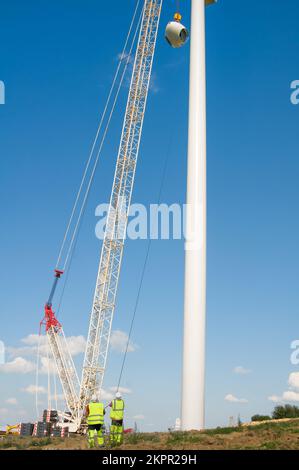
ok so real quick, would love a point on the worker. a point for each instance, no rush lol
(95, 412)
(117, 419)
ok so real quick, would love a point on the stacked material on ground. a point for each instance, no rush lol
(48, 427)
(60, 432)
(50, 416)
(42, 429)
(26, 429)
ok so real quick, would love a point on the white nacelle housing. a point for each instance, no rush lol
(176, 34)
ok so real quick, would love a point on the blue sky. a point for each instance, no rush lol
(57, 60)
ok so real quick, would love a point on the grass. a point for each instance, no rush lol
(266, 436)
(6, 444)
(285, 426)
(21, 443)
(142, 437)
(213, 432)
(181, 437)
(271, 445)
(41, 442)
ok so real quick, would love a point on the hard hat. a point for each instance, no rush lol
(118, 395)
(94, 397)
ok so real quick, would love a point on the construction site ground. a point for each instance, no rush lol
(276, 435)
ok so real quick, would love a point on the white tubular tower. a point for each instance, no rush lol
(193, 383)
(112, 248)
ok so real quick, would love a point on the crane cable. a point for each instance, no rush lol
(37, 389)
(72, 246)
(37, 377)
(55, 391)
(144, 267)
(121, 58)
(97, 158)
(49, 380)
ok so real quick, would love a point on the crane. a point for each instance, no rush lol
(63, 359)
(113, 243)
(77, 395)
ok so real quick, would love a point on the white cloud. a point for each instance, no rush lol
(106, 396)
(123, 390)
(241, 370)
(126, 57)
(32, 389)
(139, 417)
(19, 365)
(119, 340)
(294, 380)
(275, 399)
(154, 87)
(59, 396)
(287, 396)
(33, 342)
(12, 401)
(33, 339)
(30, 347)
(47, 364)
(291, 394)
(24, 366)
(231, 398)
(76, 344)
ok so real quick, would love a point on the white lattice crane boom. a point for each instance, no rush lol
(76, 395)
(66, 370)
(113, 243)
(64, 362)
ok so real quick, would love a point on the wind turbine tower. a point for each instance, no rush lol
(193, 380)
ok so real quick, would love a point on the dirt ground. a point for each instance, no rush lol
(267, 436)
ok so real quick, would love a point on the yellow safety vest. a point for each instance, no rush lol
(117, 410)
(96, 413)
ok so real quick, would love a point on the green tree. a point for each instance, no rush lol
(286, 411)
(260, 418)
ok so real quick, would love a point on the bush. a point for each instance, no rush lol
(260, 418)
(40, 442)
(287, 411)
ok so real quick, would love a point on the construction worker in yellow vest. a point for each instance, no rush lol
(95, 412)
(117, 419)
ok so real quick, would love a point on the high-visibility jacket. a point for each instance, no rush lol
(96, 413)
(117, 409)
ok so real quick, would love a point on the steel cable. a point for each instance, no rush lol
(123, 54)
